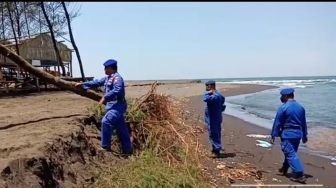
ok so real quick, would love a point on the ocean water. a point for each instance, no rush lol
(316, 94)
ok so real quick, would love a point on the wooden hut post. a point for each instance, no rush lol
(37, 84)
(71, 64)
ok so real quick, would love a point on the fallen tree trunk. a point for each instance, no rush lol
(63, 84)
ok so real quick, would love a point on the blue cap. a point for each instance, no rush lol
(287, 91)
(210, 82)
(110, 62)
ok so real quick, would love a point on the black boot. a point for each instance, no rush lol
(105, 149)
(299, 177)
(215, 153)
(126, 154)
(283, 170)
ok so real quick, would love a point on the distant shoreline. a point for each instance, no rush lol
(247, 80)
(264, 77)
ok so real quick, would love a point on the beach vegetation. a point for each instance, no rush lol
(165, 149)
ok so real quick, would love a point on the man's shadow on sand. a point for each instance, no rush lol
(305, 175)
(290, 175)
(224, 155)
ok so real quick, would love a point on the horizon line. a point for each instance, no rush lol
(227, 78)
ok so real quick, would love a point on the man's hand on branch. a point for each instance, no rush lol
(78, 84)
(102, 101)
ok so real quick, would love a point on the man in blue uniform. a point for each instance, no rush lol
(290, 125)
(114, 98)
(213, 115)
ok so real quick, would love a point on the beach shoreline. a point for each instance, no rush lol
(317, 146)
(317, 168)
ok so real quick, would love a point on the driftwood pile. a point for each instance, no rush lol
(239, 171)
(156, 122)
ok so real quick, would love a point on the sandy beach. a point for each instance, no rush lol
(28, 123)
(318, 170)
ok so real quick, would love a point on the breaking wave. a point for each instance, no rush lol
(296, 83)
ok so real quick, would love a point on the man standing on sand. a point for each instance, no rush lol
(213, 115)
(116, 106)
(290, 125)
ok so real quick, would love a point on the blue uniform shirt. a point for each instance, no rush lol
(290, 121)
(214, 107)
(114, 91)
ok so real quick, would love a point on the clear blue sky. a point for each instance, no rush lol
(171, 40)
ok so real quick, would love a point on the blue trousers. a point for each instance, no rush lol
(114, 120)
(214, 129)
(290, 147)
